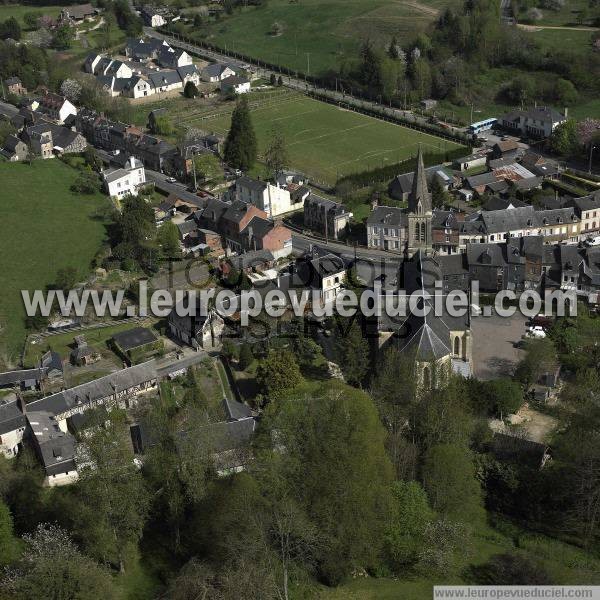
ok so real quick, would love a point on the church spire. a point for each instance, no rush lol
(420, 191)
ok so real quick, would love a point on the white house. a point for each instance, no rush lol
(189, 73)
(119, 70)
(272, 199)
(126, 180)
(537, 122)
(165, 81)
(138, 87)
(56, 107)
(240, 85)
(173, 57)
(216, 72)
(91, 61)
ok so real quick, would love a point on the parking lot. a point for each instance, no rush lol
(494, 354)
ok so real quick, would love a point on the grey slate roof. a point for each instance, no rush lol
(11, 378)
(164, 77)
(215, 69)
(236, 410)
(389, 216)
(255, 185)
(103, 387)
(11, 417)
(134, 338)
(258, 227)
(428, 336)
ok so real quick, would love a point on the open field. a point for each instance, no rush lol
(326, 142)
(18, 11)
(568, 40)
(44, 227)
(331, 31)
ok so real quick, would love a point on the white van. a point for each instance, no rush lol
(592, 241)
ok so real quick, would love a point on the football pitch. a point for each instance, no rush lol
(326, 142)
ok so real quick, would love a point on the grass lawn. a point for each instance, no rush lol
(326, 142)
(17, 11)
(568, 40)
(331, 31)
(61, 342)
(45, 227)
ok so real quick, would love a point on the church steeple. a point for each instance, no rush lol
(419, 200)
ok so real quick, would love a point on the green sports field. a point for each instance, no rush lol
(325, 141)
(43, 227)
(330, 31)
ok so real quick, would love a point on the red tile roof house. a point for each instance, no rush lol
(261, 234)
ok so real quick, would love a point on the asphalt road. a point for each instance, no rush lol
(160, 181)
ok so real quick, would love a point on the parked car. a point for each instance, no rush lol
(536, 332)
(171, 180)
(592, 241)
(476, 310)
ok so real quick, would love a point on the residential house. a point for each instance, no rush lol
(195, 324)
(235, 84)
(137, 87)
(144, 49)
(91, 62)
(325, 216)
(47, 139)
(326, 274)
(56, 107)
(12, 428)
(23, 379)
(126, 180)
(14, 85)
(216, 72)
(118, 389)
(387, 228)
(78, 13)
(189, 73)
(274, 200)
(14, 149)
(537, 122)
(173, 58)
(588, 210)
(445, 228)
(233, 221)
(165, 80)
(51, 362)
(261, 234)
(55, 448)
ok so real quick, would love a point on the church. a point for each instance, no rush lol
(404, 229)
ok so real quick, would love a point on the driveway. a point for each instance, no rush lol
(493, 352)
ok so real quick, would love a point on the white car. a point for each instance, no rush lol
(171, 180)
(536, 332)
(476, 310)
(592, 241)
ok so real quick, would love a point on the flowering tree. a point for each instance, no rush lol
(588, 130)
(71, 89)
